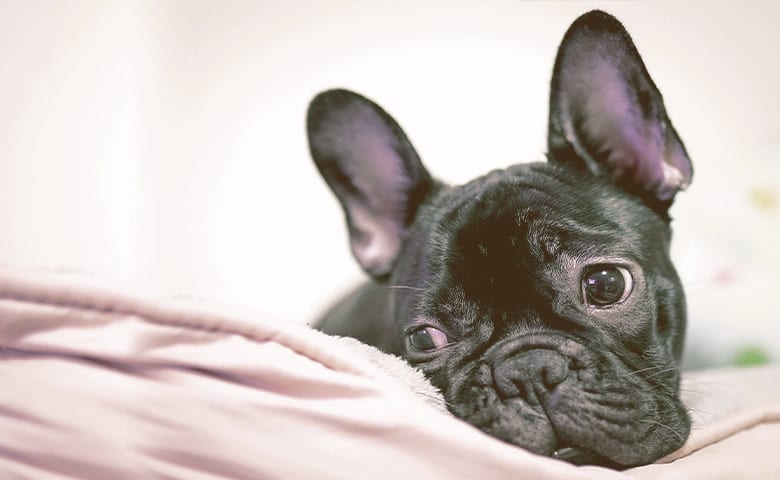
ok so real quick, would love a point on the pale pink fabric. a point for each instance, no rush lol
(95, 383)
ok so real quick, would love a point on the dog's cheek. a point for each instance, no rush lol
(449, 372)
(437, 368)
(671, 317)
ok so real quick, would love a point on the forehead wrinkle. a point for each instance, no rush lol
(448, 305)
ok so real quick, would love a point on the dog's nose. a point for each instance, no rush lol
(530, 374)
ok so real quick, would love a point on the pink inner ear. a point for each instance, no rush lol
(378, 242)
(379, 175)
(378, 172)
(636, 145)
(371, 167)
(677, 164)
(372, 161)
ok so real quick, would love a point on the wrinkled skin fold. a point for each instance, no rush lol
(540, 298)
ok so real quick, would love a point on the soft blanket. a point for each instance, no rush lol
(98, 383)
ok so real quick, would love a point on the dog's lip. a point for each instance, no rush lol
(582, 456)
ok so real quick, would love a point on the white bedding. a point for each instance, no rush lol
(96, 383)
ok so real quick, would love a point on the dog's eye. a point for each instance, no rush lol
(606, 285)
(427, 339)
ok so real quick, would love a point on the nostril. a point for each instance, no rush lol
(507, 384)
(530, 373)
(554, 373)
(522, 389)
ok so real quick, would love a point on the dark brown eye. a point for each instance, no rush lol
(427, 339)
(606, 285)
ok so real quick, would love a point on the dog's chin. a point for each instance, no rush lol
(616, 421)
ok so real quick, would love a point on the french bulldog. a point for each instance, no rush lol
(541, 298)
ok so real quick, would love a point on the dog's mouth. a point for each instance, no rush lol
(591, 411)
(568, 431)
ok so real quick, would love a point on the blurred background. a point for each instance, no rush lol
(162, 144)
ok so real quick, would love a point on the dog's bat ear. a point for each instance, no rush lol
(607, 115)
(371, 166)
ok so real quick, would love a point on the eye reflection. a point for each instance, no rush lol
(606, 285)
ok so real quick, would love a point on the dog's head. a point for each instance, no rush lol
(540, 298)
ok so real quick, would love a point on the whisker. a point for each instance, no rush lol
(434, 397)
(675, 432)
(696, 387)
(697, 411)
(698, 391)
(405, 287)
(661, 372)
(654, 367)
(439, 399)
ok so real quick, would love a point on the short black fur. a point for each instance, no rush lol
(488, 276)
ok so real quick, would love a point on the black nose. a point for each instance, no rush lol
(531, 374)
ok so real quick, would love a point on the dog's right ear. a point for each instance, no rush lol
(607, 114)
(374, 171)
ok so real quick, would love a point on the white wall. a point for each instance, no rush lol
(161, 143)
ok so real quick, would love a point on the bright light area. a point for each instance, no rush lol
(162, 143)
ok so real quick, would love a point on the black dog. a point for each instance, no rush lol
(540, 299)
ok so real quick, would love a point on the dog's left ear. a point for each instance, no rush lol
(371, 166)
(606, 113)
